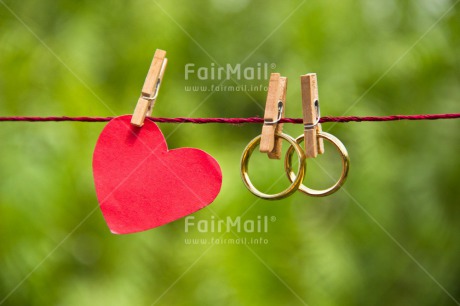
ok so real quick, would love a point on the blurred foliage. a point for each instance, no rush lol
(390, 237)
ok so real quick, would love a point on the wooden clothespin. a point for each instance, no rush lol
(274, 110)
(311, 115)
(150, 89)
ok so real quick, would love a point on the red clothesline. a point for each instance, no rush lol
(244, 120)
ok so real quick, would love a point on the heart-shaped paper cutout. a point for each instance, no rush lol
(140, 184)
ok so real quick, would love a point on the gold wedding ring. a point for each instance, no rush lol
(345, 166)
(296, 179)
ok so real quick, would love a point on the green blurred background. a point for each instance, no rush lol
(389, 237)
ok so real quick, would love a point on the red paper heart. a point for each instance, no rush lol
(140, 184)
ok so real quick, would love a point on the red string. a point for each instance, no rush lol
(244, 120)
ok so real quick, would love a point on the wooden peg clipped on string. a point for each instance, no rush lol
(311, 115)
(150, 89)
(274, 110)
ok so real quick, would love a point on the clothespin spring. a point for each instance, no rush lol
(318, 117)
(280, 114)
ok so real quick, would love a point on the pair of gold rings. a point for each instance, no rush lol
(295, 179)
